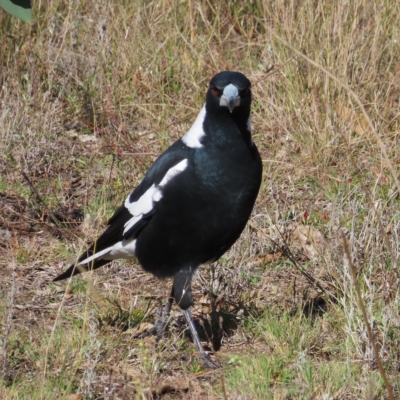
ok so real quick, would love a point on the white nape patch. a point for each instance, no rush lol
(196, 132)
(153, 194)
(248, 124)
(249, 128)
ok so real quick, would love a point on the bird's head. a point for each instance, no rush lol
(230, 90)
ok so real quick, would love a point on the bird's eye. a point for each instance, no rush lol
(215, 91)
(245, 92)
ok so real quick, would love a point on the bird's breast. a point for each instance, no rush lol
(233, 170)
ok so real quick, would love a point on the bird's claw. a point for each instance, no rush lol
(160, 325)
(206, 362)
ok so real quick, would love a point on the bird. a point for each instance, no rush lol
(192, 204)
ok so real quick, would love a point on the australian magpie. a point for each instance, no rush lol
(193, 203)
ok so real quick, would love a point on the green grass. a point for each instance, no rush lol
(302, 358)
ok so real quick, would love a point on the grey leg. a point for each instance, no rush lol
(162, 320)
(204, 358)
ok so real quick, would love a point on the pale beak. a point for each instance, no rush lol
(230, 97)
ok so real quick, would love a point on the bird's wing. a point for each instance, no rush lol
(118, 240)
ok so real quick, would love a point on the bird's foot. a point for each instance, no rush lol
(159, 328)
(206, 362)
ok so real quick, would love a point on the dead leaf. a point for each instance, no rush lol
(142, 328)
(88, 138)
(78, 396)
(202, 306)
(362, 128)
(344, 113)
(271, 257)
(173, 385)
(310, 239)
(205, 300)
(381, 174)
(349, 115)
(5, 234)
(71, 133)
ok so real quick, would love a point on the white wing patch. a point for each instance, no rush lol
(177, 169)
(124, 249)
(153, 194)
(96, 256)
(140, 207)
(196, 132)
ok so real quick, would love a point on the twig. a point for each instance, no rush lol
(373, 207)
(46, 207)
(223, 387)
(290, 255)
(35, 192)
(365, 316)
(271, 71)
(235, 25)
(7, 326)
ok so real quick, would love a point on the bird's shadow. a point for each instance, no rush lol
(219, 320)
(212, 327)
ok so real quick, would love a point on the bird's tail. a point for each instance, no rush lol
(76, 269)
(88, 261)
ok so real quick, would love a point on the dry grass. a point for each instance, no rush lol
(92, 93)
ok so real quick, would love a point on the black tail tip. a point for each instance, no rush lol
(71, 271)
(62, 276)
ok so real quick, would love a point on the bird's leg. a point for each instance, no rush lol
(182, 292)
(162, 319)
(204, 358)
